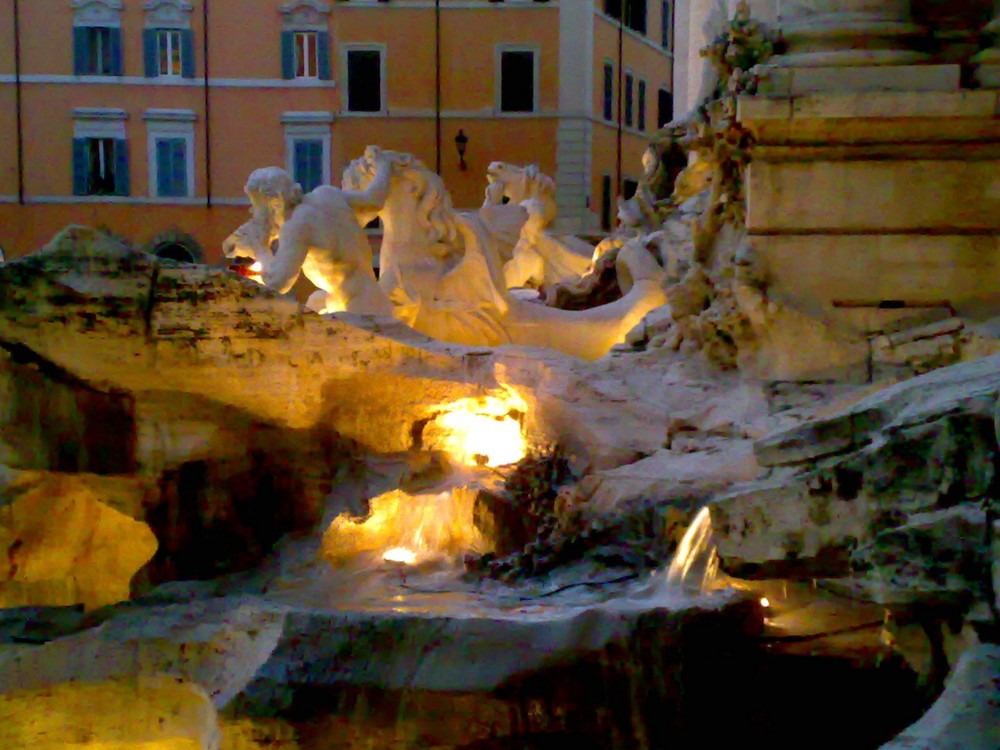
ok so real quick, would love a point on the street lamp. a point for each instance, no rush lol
(461, 142)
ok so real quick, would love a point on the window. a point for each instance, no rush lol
(307, 162)
(667, 25)
(641, 118)
(167, 40)
(606, 203)
(307, 147)
(305, 54)
(665, 108)
(634, 10)
(364, 80)
(629, 82)
(168, 43)
(170, 135)
(517, 80)
(609, 91)
(171, 167)
(97, 51)
(629, 187)
(100, 166)
(97, 37)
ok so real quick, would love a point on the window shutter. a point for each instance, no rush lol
(301, 164)
(287, 55)
(323, 54)
(163, 168)
(80, 166)
(187, 53)
(150, 54)
(179, 171)
(316, 160)
(81, 50)
(121, 168)
(116, 51)
(642, 106)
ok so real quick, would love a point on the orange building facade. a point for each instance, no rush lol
(146, 116)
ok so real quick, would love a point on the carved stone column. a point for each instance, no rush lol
(988, 72)
(825, 33)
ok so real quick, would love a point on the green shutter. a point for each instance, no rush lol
(287, 55)
(150, 53)
(187, 53)
(323, 54)
(116, 52)
(81, 50)
(81, 165)
(122, 182)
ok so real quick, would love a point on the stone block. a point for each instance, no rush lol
(868, 78)
(988, 76)
(874, 196)
(822, 270)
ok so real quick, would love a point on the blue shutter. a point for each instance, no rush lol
(316, 162)
(163, 168)
(300, 164)
(187, 53)
(323, 54)
(81, 165)
(179, 168)
(642, 105)
(116, 52)
(287, 55)
(121, 168)
(81, 50)
(150, 53)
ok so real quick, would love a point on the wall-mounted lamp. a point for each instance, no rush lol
(461, 141)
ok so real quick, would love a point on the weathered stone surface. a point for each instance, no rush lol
(71, 538)
(935, 559)
(923, 445)
(967, 715)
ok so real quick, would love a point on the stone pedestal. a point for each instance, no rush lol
(988, 72)
(852, 45)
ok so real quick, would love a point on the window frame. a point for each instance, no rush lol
(166, 125)
(306, 54)
(499, 51)
(308, 126)
(345, 50)
(170, 34)
(104, 124)
(608, 91)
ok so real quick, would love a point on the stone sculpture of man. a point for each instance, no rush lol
(318, 234)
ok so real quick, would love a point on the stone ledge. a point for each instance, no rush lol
(869, 78)
(872, 105)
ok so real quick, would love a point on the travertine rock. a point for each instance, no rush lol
(71, 538)
(148, 711)
(967, 715)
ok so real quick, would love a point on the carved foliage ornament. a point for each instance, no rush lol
(305, 13)
(96, 12)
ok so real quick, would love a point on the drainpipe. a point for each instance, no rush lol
(621, 82)
(208, 107)
(437, 86)
(17, 100)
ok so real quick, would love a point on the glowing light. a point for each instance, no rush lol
(480, 431)
(405, 528)
(400, 555)
(256, 268)
(765, 602)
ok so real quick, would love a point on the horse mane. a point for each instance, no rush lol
(434, 208)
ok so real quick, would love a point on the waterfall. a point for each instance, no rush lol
(695, 563)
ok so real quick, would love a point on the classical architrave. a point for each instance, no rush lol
(168, 14)
(305, 15)
(99, 122)
(97, 12)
